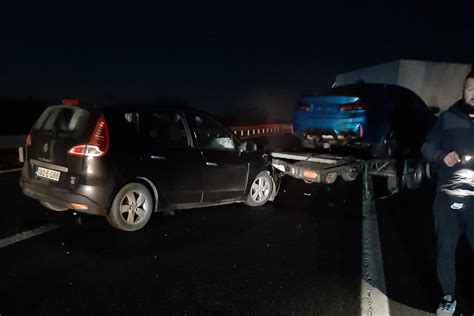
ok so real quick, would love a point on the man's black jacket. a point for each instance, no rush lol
(453, 131)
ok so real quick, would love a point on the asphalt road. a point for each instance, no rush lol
(300, 255)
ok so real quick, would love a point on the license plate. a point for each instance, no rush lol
(48, 173)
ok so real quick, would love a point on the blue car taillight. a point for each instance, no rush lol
(303, 107)
(357, 105)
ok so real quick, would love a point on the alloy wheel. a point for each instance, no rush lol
(134, 207)
(261, 189)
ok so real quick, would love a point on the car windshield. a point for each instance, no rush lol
(62, 120)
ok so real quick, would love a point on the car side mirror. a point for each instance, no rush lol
(247, 147)
(434, 109)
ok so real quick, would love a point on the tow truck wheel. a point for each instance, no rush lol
(261, 190)
(131, 208)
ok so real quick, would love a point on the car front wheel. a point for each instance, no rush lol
(131, 208)
(261, 190)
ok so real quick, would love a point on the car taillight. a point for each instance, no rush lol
(98, 144)
(28, 140)
(361, 131)
(303, 107)
(357, 105)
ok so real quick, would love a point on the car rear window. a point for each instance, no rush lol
(63, 120)
(348, 91)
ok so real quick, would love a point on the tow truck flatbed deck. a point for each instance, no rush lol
(326, 167)
(315, 167)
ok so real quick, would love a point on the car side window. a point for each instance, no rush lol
(165, 128)
(210, 134)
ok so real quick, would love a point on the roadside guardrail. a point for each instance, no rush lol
(12, 141)
(250, 131)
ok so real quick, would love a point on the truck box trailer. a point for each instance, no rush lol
(439, 84)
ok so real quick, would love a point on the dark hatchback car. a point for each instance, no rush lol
(390, 120)
(125, 162)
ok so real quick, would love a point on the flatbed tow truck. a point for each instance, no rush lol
(316, 167)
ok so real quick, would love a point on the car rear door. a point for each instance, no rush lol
(56, 131)
(226, 171)
(168, 157)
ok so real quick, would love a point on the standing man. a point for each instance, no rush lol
(450, 146)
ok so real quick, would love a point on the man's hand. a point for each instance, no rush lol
(452, 159)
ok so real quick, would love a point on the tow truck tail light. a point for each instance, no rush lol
(310, 175)
(357, 105)
(98, 144)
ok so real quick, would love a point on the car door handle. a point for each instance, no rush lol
(211, 164)
(154, 157)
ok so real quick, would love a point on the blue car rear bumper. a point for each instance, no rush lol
(355, 125)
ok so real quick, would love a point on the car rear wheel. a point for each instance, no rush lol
(261, 190)
(131, 208)
(387, 148)
(53, 207)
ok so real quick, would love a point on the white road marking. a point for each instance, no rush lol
(374, 302)
(5, 242)
(10, 170)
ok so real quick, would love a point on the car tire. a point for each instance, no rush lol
(413, 176)
(308, 143)
(53, 207)
(131, 208)
(387, 148)
(261, 190)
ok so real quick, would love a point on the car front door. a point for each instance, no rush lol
(225, 171)
(171, 160)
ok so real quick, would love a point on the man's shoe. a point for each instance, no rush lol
(447, 306)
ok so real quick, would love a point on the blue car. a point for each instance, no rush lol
(388, 120)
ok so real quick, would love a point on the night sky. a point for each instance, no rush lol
(221, 58)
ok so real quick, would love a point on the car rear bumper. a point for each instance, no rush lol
(60, 197)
